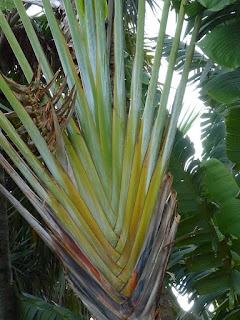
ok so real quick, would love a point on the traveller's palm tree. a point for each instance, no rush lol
(94, 171)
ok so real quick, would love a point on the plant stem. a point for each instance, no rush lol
(160, 121)
(178, 100)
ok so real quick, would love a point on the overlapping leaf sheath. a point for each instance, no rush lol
(102, 187)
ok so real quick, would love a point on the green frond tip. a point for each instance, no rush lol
(32, 307)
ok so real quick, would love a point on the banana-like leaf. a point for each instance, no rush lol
(222, 4)
(232, 138)
(184, 168)
(31, 307)
(204, 261)
(206, 300)
(208, 3)
(224, 88)
(233, 314)
(225, 195)
(221, 45)
(213, 282)
(213, 137)
(215, 5)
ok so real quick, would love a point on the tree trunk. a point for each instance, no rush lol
(7, 296)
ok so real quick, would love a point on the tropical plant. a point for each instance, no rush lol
(95, 172)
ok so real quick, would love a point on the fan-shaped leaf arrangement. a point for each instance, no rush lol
(101, 186)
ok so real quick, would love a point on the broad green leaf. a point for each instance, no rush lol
(235, 258)
(215, 175)
(233, 315)
(224, 88)
(213, 136)
(213, 282)
(193, 8)
(221, 4)
(236, 281)
(208, 3)
(203, 262)
(215, 5)
(222, 189)
(178, 255)
(184, 181)
(31, 307)
(222, 45)
(233, 135)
